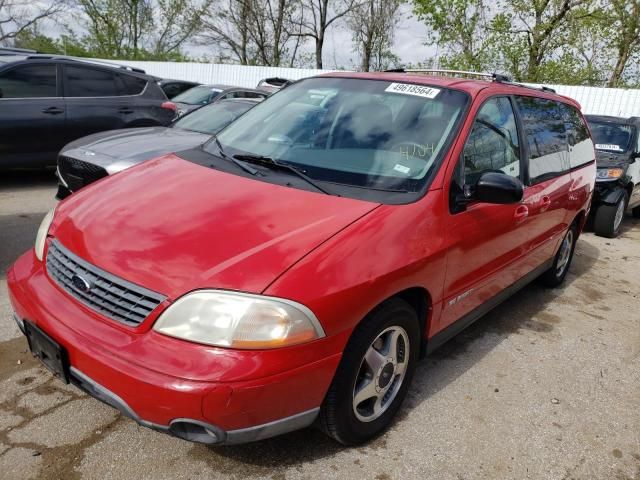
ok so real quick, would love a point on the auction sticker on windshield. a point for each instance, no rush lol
(606, 146)
(410, 89)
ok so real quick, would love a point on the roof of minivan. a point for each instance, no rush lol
(471, 86)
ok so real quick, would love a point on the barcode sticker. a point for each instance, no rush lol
(608, 146)
(410, 89)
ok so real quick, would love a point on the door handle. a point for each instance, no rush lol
(53, 110)
(546, 203)
(521, 213)
(125, 110)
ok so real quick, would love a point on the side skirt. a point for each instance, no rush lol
(452, 330)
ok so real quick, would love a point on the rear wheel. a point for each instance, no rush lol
(374, 375)
(562, 261)
(608, 219)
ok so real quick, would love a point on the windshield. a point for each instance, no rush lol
(614, 137)
(361, 133)
(197, 95)
(211, 119)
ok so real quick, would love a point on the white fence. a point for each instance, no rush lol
(239, 75)
(594, 100)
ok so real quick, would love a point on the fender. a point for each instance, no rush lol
(612, 196)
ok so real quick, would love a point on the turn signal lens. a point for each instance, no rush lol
(43, 231)
(610, 173)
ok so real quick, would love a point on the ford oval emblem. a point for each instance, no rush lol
(80, 283)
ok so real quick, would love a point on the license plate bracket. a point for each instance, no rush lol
(48, 351)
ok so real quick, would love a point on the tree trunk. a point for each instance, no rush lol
(319, 45)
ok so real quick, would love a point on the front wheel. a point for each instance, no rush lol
(562, 261)
(608, 219)
(374, 375)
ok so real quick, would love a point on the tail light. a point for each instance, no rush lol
(169, 106)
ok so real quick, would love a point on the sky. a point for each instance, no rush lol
(409, 42)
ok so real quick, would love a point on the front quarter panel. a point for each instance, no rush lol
(392, 249)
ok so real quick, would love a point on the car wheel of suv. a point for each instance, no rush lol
(562, 261)
(374, 374)
(608, 219)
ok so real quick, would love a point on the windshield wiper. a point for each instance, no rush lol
(272, 163)
(240, 164)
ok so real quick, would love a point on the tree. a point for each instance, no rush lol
(316, 18)
(461, 29)
(372, 24)
(228, 29)
(527, 33)
(140, 29)
(623, 19)
(17, 16)
(255, 31)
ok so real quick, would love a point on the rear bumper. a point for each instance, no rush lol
(197, 410)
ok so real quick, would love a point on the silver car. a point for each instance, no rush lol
(93, 157)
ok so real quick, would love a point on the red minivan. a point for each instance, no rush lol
(293, 269)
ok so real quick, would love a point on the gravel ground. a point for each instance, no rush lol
(547, 386)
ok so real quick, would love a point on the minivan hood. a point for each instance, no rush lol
(173, 226)
(118, 149)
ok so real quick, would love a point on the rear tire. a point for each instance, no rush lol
(369, 386)
(562, 261)
(608, 219)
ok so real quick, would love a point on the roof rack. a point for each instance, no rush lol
(87, 60)
(496, 77)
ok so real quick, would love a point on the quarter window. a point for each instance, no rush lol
(29, 82)
(90, 82)
(493, 142)
(134, 86)
(578, 138)
(544, 125)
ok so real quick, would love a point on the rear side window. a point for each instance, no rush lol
(544, 126)
(90, 82)
(132, 85)
(30, 81)
(578, 138)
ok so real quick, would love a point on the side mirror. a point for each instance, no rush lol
(498, 188)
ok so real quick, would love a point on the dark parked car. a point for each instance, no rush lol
(172, 88)
(617, 142)
(46, 101)
(90, 158)
(206, 94)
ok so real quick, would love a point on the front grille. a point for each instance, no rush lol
(77, 173)
(107, 294)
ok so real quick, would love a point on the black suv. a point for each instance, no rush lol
(46, 101)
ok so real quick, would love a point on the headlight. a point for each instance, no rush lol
(41, 237)
(609, 173)
(238, 320)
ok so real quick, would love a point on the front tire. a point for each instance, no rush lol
(374, 374)
(562, 261)
(608, 219)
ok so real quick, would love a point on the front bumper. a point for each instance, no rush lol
(188, 406)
